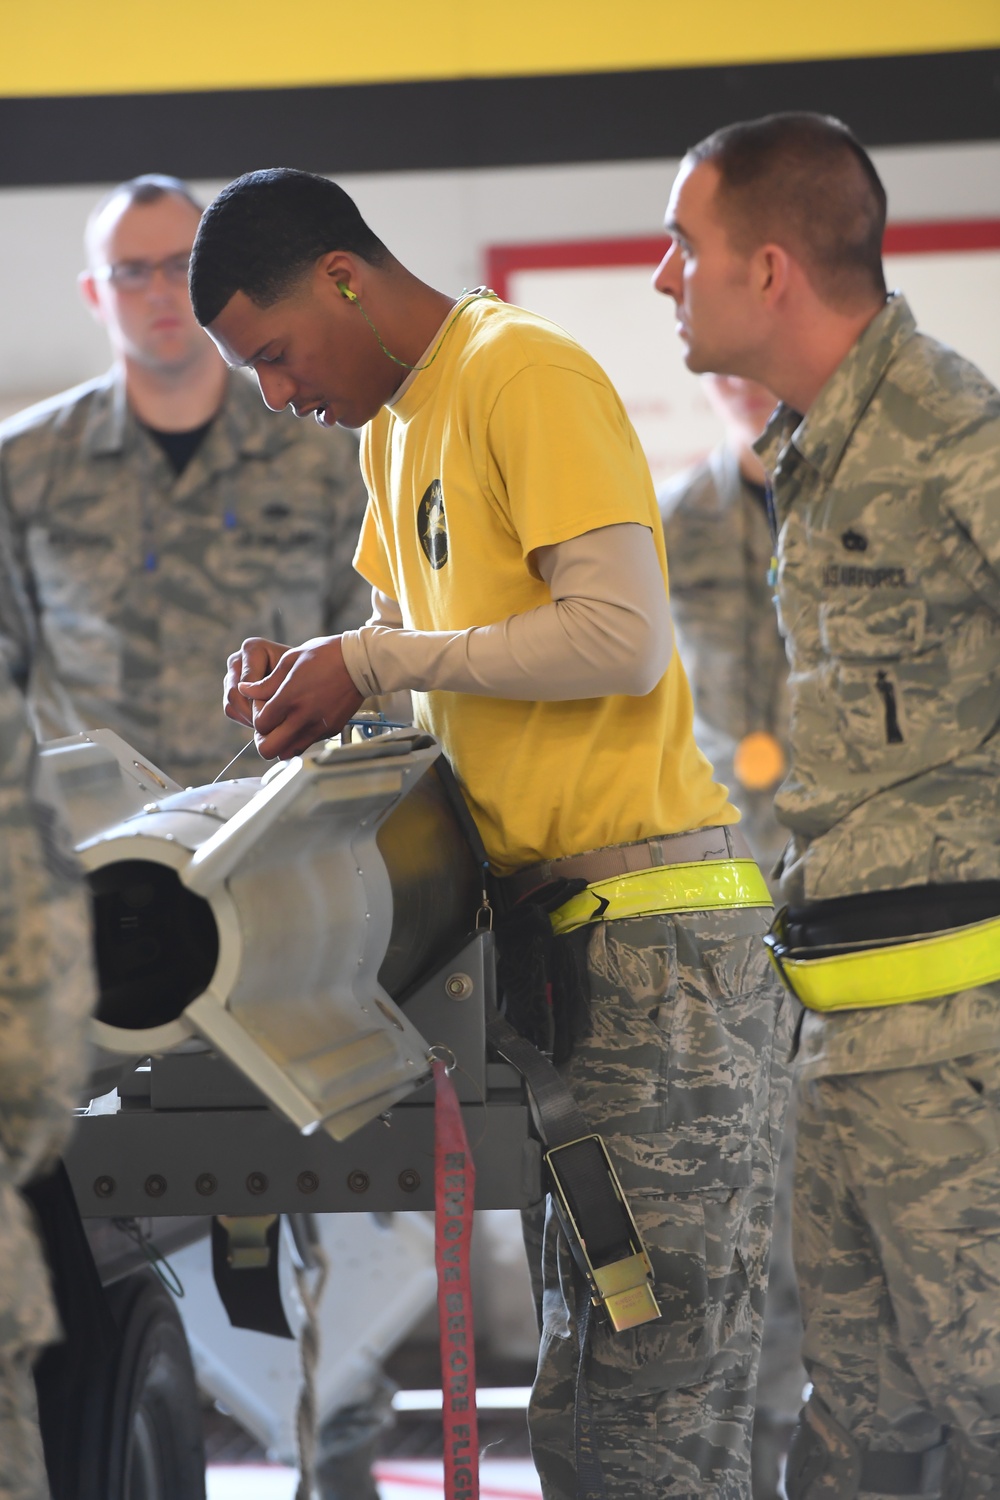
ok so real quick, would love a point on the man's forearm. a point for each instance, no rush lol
(607, 631)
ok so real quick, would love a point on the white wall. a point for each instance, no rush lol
(438, 223)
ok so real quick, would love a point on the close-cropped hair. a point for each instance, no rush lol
(805, 182)
(139, 191)
(265, 230)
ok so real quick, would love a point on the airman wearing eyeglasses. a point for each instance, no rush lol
(157, 514)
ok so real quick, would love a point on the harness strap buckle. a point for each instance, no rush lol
(601, 1231)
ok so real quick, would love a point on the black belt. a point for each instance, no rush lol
(883, 916)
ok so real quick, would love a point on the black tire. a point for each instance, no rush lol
(144, 1437)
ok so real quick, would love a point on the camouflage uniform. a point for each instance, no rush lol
(138, 583)
(683, 1073)
(888, 505)
(46, 991)
(719, 547)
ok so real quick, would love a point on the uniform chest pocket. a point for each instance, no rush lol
(860, 632)
(267, 551)
(885, 675)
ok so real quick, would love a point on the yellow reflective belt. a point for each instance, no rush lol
(896, 974)
(702, 885)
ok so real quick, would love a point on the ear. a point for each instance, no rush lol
(87, 283)
(772, 271)
(337, 269)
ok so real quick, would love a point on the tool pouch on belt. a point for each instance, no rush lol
(889, 947)
(543, 978)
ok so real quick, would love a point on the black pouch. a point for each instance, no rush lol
(542, 979)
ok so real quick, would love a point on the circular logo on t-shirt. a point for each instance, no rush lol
(432, 528)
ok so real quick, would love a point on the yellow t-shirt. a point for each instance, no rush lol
(514, 439)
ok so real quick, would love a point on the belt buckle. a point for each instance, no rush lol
(776, 943)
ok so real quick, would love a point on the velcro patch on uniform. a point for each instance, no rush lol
(850, 576)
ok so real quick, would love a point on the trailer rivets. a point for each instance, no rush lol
(206, 1184)
(358, 1182)
(458, 986)
(156, 1186)
(307, 1182)
(257, 1183)
(409, 1180)
(104, 1187)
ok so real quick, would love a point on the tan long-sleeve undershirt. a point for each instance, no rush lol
(607, 631)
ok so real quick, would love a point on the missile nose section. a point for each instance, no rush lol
(279, 921)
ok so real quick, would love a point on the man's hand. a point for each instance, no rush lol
(252, 662)
(292, 696)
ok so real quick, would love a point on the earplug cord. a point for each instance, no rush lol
(478, 292)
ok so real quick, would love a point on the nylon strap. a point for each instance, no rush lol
(560, 1121)
(589, 1474)
(895, 973)
(703, 885)
(556, 1113)
(454, 1198)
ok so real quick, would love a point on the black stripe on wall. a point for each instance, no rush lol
(486, 122)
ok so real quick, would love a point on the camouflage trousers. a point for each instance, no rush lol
(897, 1246)
(22, 1467)
(682, 1070)
(781, 1376)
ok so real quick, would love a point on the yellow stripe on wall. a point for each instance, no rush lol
(120, 46)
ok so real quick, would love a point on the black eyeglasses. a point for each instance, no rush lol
(136, 275)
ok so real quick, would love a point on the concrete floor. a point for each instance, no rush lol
(405, 1479)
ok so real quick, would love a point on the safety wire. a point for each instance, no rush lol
(368, 728)
(235, 758)
(164, 1270)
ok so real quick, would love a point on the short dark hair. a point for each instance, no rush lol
(148, 188)
(804, 181)
(268, 228)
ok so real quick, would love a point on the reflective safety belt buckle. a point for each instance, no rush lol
(601, 1231)
(776, 943)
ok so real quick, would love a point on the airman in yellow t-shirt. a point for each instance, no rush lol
(513, 545)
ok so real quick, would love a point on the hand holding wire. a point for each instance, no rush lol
(305, 696)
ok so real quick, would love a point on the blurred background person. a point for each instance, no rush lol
(719, 549)
(46, 993)
(160, 512)
(719, 552)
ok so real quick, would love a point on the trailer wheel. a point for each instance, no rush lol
(152, 1421)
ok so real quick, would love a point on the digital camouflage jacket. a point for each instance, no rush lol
(134, 584)
(46, 993)
(887, 505)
